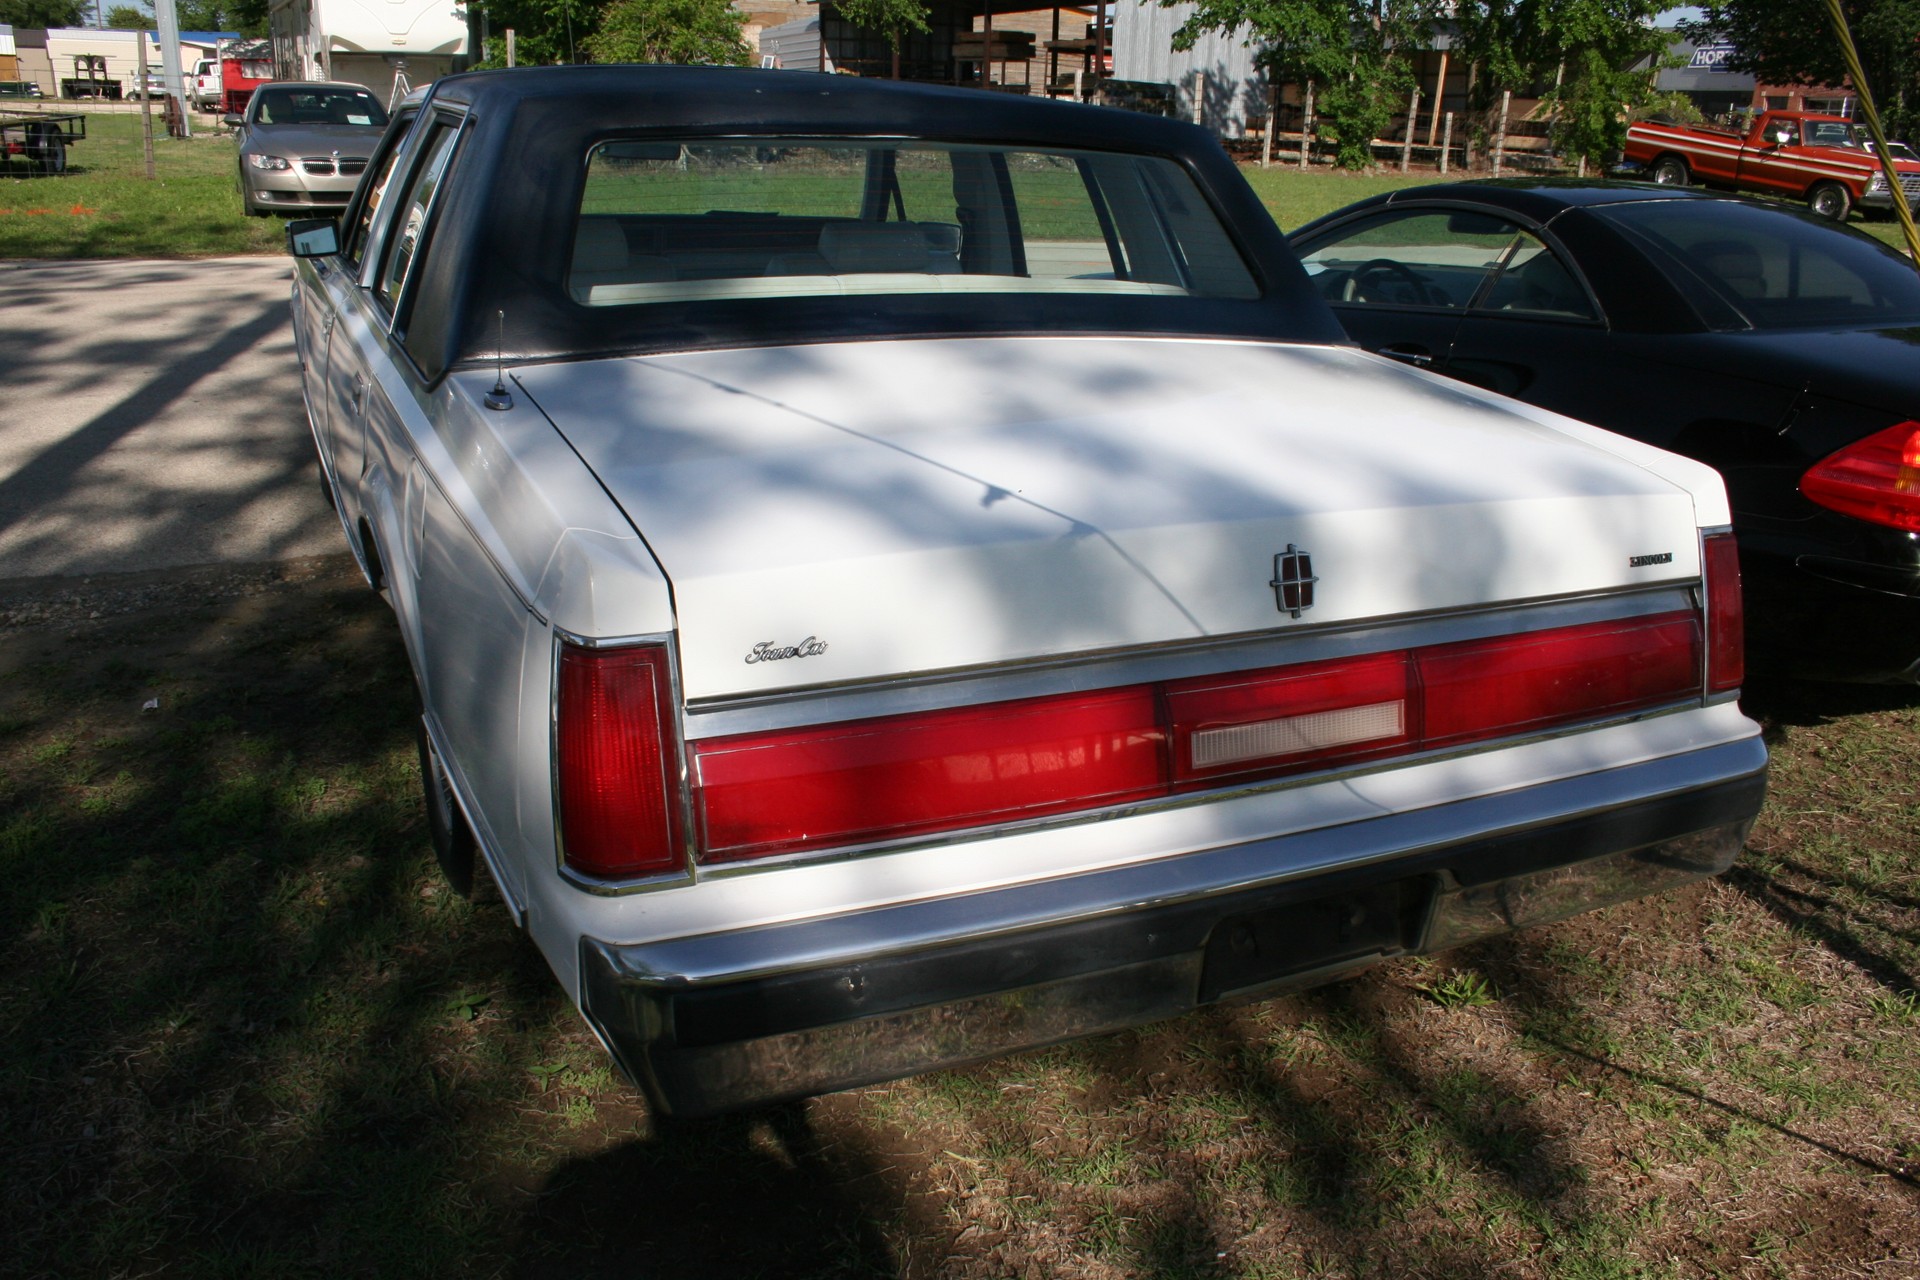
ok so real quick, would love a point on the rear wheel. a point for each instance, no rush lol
(47, 146)
(1670, 171)
(1830, 200)
(453, 842)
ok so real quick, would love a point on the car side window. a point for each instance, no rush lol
(1411, 259)
(362, 227)
(1534, 282)
(410, 215)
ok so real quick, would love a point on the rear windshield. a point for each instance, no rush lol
(705, 220)
(1776, 267)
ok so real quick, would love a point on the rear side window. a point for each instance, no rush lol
(707, 220)
(1776, 267)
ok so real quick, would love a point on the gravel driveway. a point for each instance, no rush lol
(151, 421)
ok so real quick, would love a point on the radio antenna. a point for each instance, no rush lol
(498, 398)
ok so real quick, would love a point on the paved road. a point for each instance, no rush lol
(150, 418)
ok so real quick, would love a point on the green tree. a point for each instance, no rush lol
(546, 32)
(245, 17)
(1585, 49)
(125, 17)
(42, 13)
(893, 18)
(1356, 53)
(1792, 42)
(683, 31)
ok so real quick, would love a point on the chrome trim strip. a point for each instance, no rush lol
(816, 704)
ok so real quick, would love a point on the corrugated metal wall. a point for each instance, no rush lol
(1219, 68)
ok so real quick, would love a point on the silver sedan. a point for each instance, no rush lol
(304, 145)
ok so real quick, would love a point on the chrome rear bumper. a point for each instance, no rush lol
(730, 1020)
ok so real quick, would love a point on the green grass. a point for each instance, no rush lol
(104, 206)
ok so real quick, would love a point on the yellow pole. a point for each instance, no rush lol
(1901, 208)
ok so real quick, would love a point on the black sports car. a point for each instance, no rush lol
(1776, 346)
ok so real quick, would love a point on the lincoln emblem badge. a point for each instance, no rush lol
(1293, 581)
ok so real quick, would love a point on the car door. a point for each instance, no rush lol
(1469, 293)
(354, 321)
(1535, 331)
(1400, 280)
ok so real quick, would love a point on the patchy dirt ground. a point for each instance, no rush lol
(246, 1031)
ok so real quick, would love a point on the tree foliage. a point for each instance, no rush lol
(126, 17)
(1355, 52)
(1359, 55)
(893, 18)
(682, 31)
(1793, 42)
(1584, 51)
(42, 13)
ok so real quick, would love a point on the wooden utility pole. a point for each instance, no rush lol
(1446, 143)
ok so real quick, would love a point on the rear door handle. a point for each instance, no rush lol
(1407, 353)
(359, 393)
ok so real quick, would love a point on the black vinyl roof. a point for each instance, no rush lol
(502, 237)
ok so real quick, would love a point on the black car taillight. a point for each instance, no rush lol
(1876, 479)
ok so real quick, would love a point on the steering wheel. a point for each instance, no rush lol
(1360, 287)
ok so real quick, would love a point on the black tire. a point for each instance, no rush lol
(1830, 200)
(1670, 171)
(453, 842)
(47, 147)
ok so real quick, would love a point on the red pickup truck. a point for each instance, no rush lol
(1828, 161)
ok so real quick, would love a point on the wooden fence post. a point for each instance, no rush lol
(1306, 128)
(1273, 118)
(1500, 138)
(1413, 119)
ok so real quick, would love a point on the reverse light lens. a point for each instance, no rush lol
(1253, 721)
(1726, 625)
(269, 162)
(1875, 479)
(820, 787)
(619, 790)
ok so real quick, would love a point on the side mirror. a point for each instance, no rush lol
(313, 237)
(231, 120)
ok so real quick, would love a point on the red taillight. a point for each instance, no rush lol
(1726, 628)
(619, 788)
(911, 775)
(1876, 479)
(795, 790)
(1513, 684)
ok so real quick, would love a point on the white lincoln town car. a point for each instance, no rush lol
(897, 575)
